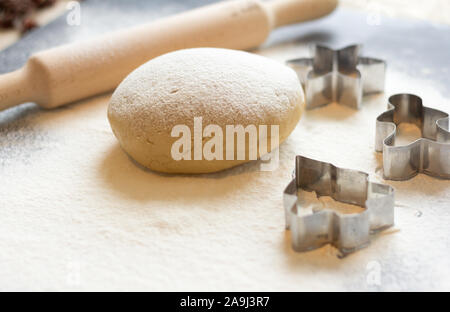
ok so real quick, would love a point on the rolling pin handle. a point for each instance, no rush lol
(285, 12)
(14, 89)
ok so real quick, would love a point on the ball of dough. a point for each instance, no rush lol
(220, 86)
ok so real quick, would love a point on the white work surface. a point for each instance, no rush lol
(77, 214)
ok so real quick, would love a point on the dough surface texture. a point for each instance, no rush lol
(223, 87)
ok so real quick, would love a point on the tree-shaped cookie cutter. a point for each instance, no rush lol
(347, 232)
(338, 76)
(429, 154)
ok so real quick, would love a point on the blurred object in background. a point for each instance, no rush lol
(431, 10)
(18, 13)
(19, 16)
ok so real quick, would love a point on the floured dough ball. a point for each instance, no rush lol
(153, 111)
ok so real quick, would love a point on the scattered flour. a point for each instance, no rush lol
(77, 214)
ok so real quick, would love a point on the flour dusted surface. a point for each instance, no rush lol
(77, 214)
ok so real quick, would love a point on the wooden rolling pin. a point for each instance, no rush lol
(75, 71)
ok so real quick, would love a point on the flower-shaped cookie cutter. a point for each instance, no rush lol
(429, 154)
(338, 76)
(347, 232)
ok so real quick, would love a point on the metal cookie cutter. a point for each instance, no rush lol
(429, 154)
(338, 76)
(347, 232)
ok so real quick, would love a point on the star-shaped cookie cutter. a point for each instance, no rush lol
(347, 232)
(429, 154)
(338, 76)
